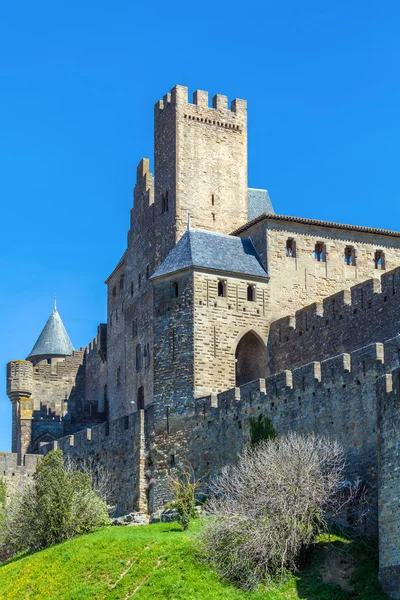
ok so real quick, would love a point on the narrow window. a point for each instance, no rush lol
(147, 272)
(114, 291)
(148, 355)
(134, 328)
(222, 288)
(164, 202)
(116, 314)
(139, 281)
(106, 406)
(131, 288)
(212, 200)
(140, 398)
(49, 361)
(174, 289)
(350, 256)
(319, 252)
(379, 260)
(251, 293)
(290, 248)
(138, 357)
(118, 378)
(121, 283)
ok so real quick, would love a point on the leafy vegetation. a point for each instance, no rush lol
(184, 486)
(60, 504)
(261, 429)
(161, 561)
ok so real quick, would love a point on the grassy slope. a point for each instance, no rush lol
(159, 561)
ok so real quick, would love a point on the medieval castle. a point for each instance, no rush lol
(220, 310)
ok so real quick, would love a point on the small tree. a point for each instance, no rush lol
(183, 487)
(261, 429)
(60, 504)
(270, 505)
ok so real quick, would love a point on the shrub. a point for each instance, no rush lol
(62, 502)
(184, 486)
(269, 506)
(261, 429)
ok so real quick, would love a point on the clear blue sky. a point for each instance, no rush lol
(78, 81)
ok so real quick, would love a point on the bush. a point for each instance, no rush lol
(62, 502)
(184, 487)
(269, 506)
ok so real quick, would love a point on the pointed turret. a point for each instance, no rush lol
(53, 341)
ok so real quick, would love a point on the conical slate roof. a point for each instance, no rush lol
(54, 339)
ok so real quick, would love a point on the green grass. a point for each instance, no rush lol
(160, 562)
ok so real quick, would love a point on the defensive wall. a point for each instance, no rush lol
(389, 483)
(336, 397)
(366, 313)
(16, 475)
(118, 448)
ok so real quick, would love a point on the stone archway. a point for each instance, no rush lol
(250, 359)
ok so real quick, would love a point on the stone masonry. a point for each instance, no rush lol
(220, 311)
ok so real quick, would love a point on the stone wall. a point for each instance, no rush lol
(130, 306)
(96, 373)
(219, 325)
(118, 448)
(201, 162)
(335, 397)
(299, 279)
(16, 475)
(48, 400)
(389, 483)
(368, 312)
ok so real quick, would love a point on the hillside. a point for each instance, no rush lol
(160, 561)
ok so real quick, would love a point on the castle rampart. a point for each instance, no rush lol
(365, 313)
(118, 448)
(389, 482)
(16, 475)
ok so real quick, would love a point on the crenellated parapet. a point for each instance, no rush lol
(219, 114)
(19, 379)
(352, 318)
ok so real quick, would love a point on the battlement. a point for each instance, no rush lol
(367, 312)
(19, 378)
(178, 97)
(65, 367)
(95, 436)
(343, 370)
(99, 342)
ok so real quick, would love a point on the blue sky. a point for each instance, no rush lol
(78, 81)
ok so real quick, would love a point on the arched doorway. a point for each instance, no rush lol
(140, 398)
(45, 438)
(250, 359)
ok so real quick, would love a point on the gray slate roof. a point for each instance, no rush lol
(54, 339)
(259, 202)
(212, 251)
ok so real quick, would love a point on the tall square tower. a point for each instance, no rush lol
(200, 165)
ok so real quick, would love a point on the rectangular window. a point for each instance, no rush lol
(221, 288)
(290, 248)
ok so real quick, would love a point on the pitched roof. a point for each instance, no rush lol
(54, 339)
(329, 224)
(259, 202)
(215, 252)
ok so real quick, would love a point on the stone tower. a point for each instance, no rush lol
(200, 165)
(40, 387)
